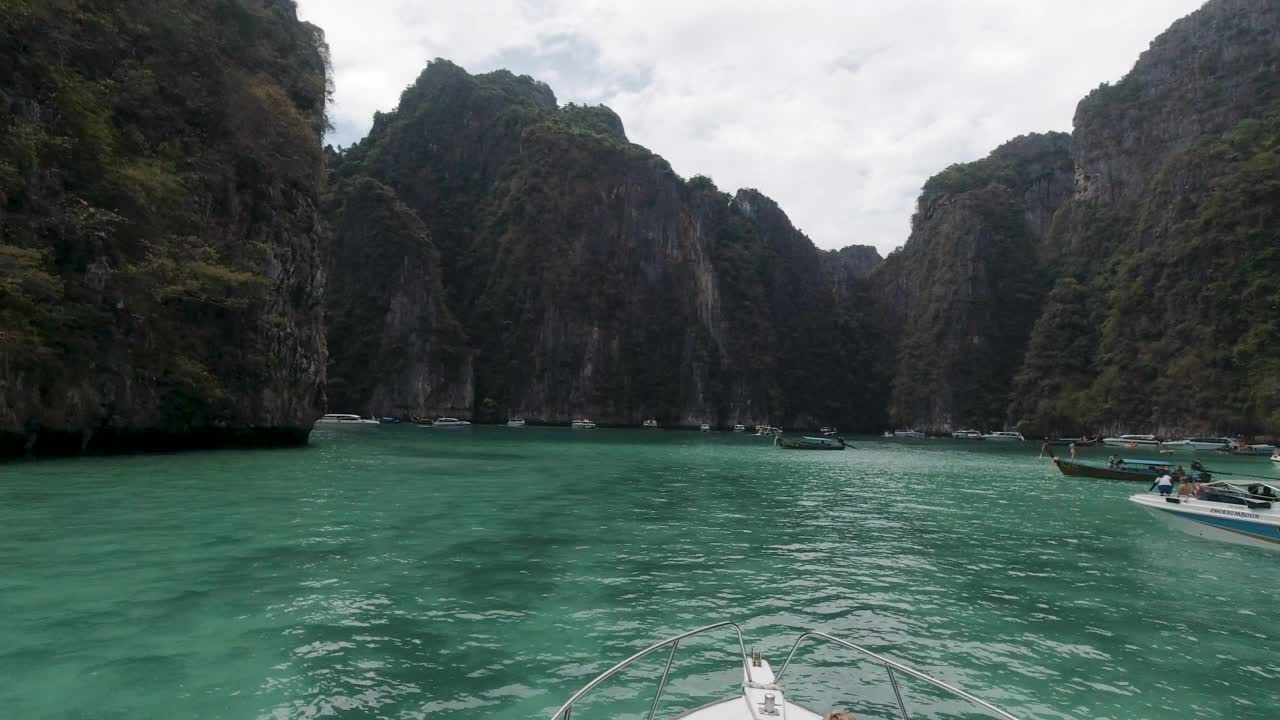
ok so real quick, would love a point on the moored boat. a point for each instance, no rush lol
(763, 696)
(810, 443)
(767, 430)
(1195, 443)
(1239, 513)
(448, 423)
(704, 428)
(739, 428)
(1259, 449)
(650, 423)
(1125, 469)
(1005, 436)
(345, 419)
(1131, 441)
(967, 435)
(516, 423)
(1068, 441)
(582, 424)
(909, 434)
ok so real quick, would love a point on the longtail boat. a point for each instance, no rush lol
(810, 443)
(1140, 470)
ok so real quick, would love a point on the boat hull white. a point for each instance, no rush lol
(1130, 442)
(1217, 521)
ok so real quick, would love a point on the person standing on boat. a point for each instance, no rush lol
(1113, 462)
(1165, 483)
(1073, 452)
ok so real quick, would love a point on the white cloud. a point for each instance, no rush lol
(838, 110)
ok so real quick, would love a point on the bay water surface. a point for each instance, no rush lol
(401, 572)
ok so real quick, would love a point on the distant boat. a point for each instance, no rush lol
(888, 434)
(704, 427)
(650, 423)
(810, 443)
(1004, 435)
(1125, 469)
(1131, 441)
(448, 423)
(1201, 443)
(767, 430)
(388, 420)
(827, 430)
(1262, 449)
(345, 419)
(582, 424)
(967, 435)
(1078, 442)
(515, 422)
(909, 434)
(739, 428)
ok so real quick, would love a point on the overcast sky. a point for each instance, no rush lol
(838, 109)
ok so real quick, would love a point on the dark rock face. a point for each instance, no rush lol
(857, 261)
(588, 277)
(960, 297)
(160, 264)
(1165, 251)
(402, 352)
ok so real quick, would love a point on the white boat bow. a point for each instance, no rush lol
(763, 696)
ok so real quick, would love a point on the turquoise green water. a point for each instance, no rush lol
(398, 572)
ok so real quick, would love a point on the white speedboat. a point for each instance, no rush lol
(1257, 449)
(1005, 436)
(739, 428)
(448, 423)
(767, 430)
(516, 422)
(704, 428)
(650, 423)
(1200, 443)
(763, 696)
(909, 434)
(967, 435)
(582, 424)
(345, 419)
(1243, 513)
(1131, 441)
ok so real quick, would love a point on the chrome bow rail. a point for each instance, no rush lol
(890, 666)
(566, 710)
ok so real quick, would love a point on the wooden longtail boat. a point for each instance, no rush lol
(1140, 470)
(810, 443)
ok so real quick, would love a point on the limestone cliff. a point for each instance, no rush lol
(959, 298)
(160, 268)
(1165, 250)
(588, 277)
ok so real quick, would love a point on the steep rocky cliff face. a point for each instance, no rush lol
(856, 261)
(960, 297)
(402, 352)
(1165, 253)
(587, 276)
(1125, 280)
(160, 268)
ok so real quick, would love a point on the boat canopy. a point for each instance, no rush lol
(1151, 463)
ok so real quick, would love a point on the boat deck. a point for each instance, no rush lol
(738, 709)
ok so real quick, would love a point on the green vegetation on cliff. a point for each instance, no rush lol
(589, 278)
(158, 173)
